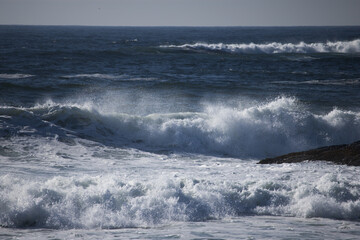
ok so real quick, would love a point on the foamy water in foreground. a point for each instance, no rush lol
(174, 196)
(252, 227)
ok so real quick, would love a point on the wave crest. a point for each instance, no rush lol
(275, 47)
(263, 130)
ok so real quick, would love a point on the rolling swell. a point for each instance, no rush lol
(267, 129)
(275, 47)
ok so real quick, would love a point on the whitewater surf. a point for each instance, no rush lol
(105, 137)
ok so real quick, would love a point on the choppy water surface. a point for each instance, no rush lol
(155, 133)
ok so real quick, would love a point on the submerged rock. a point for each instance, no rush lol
(347, 154)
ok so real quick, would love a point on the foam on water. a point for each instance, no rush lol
(262, 130)
(116, 200)
(142, 141)
(87, 164)
(276, 47)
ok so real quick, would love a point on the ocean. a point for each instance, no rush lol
(155, 132)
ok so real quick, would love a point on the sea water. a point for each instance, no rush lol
(155, 133)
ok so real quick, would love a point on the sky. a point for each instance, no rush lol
(181, 12)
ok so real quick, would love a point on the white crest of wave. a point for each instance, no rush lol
(266, 129)
(276, 47)
(279, 126)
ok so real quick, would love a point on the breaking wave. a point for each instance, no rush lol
(213, 189)
(262, 130)
(110, 202)
(275, 47)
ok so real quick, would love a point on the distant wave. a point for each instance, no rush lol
(337, 82)
(275, 47)
(15, 75)
(268, 129)
(108, 76)
(94, 75)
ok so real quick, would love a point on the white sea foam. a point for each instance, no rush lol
(15, 75)
(117, 201)
(263, 130)
(276, 47)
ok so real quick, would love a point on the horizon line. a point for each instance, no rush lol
(175, 26)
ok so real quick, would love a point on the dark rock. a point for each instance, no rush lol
(347, 154)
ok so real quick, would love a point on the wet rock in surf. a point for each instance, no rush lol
(347, 154)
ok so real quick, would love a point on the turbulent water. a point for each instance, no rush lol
(153, 133)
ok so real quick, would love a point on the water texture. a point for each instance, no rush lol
(131, 132)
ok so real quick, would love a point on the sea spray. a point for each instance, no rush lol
(262, 130)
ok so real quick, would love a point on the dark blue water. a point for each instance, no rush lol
(315, 76)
